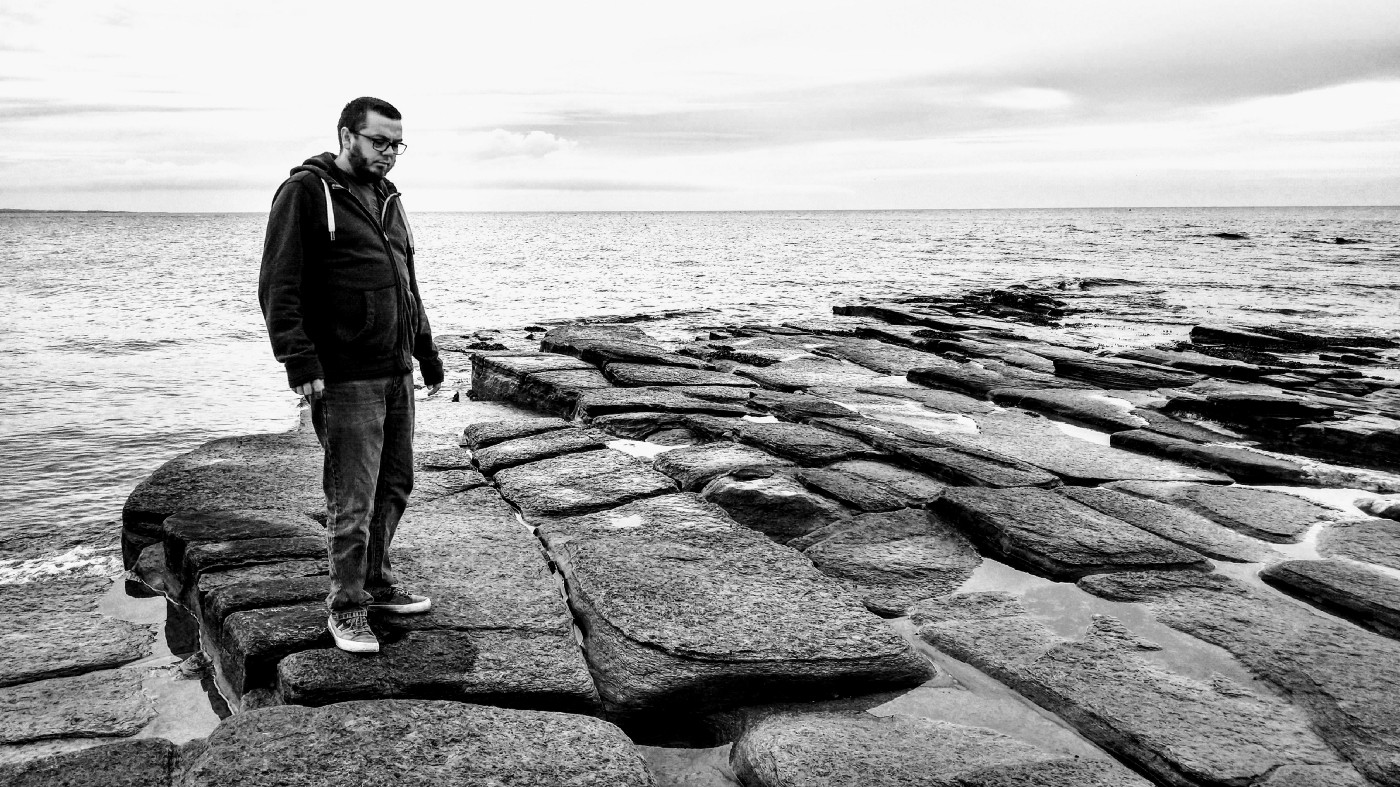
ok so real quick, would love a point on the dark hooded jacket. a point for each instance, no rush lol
(337, 287)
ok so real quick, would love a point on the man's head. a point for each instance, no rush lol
(366, 124)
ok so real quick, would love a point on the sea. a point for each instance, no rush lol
(127, 339)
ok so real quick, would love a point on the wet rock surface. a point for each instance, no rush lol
(107, 703)
(681, 604)
(1179, 729)
(146, 762)
(1055, 536)
(416, 742)
(894, 559)
(1262, 513)
(1369, 540)
(1341, 676)
(798, 750)
(1355, 592)
(51, 629)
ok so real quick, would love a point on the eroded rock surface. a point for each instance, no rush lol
(484, 434)
(806, 445)
(50, 630)
(913, 489)
(607, 401)
(812, 750)
(1355, 592)
(1172, 523)
(519, 451)
(681, 605)
(1093, 408)
(143, 762)
(893, 559)
(1262, 513)
(105, 704)
(415, 743)
(1369, 540)
(580, 483)
(1177, 728)
(604, 344)
(804, 373)
(640, 374)
(1055, 536)
(695, 466)
(857, 491)
(1240, 464)
(774, 504)
(1342, 676)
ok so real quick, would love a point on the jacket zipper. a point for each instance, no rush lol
(399, 284)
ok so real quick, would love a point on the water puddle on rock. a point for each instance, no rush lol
(177, 680)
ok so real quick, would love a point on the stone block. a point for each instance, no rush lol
(580, 483)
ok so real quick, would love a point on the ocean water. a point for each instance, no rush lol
(127, 339)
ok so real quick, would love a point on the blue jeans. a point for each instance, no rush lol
(366, 429)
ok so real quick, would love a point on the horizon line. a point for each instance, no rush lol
(717, 210)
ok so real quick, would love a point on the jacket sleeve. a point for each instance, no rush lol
(424, 348)
(280, 282)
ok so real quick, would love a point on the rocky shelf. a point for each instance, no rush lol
(939, 542)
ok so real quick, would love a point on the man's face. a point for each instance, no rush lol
(367, 164)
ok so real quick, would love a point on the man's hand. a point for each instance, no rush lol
(434, 388)
(312, 390)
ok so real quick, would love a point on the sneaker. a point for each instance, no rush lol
(350, 629)
(396, 599)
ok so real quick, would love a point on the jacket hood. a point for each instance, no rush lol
(324, 167)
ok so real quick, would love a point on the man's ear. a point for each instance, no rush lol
(345, 139)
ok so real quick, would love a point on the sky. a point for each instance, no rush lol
(542, 105)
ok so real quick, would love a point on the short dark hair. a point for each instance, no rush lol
(355, 113)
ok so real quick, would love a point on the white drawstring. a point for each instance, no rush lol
(330, 212)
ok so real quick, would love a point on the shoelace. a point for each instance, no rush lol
(354, 623)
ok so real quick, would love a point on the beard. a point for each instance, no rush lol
(361, 169)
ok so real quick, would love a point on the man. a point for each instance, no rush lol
(340, 298)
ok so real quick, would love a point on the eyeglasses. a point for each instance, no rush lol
(381, 144)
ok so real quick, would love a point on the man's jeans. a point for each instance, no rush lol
(366, 429)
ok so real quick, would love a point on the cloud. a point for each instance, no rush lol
(500, 143)
(19, 110)
(588, 184)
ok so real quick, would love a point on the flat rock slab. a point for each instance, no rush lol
(979, 380)
(804, 373)
(580, 483)
(220, 602)
(947, 457)
(251, 642)
(1195, 362)
(857, 491)
(640, 374)
(442, 459)
(1092, 408)
(1037, 441)
(1353, 591)
(519, 451)
(892, 560)
(776, 505)
(1176, 728)
(1240, 464)
(912, 488)
(211, 556)
(607, 401)
(143, 762)
(487, 433)
(47, 630)
(821, 749)
(1055, 536)
(604, 344)
(415, 743)
(642, 425)
(506, 667)
(281, 471)
(680, 604)
(695, 466)
(1262, 513)
(806, 445)
(1172, 523)
(799, 407)
(433, 485)
(188, 527)
(1368, 540)
(1123, 374)
(1369, 440)
(102, 704)
(1342, 676)
(876, 356)
(949, 402)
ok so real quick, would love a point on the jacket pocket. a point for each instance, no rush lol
(366, 319)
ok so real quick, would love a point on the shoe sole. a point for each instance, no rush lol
(351, 646)
(404, 609)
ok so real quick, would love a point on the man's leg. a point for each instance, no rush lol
(349, 421)
(391, 498)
